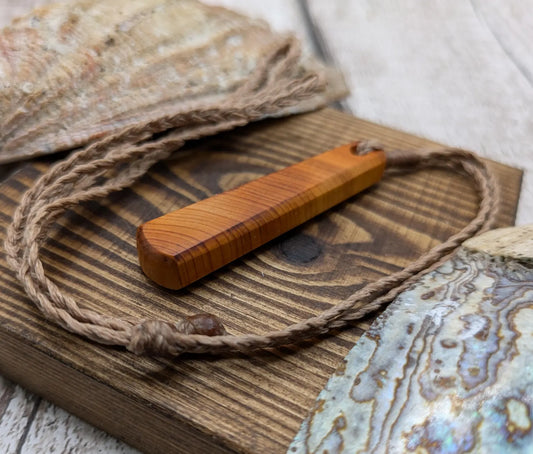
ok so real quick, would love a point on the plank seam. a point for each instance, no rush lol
(320, 46)
(31, 418)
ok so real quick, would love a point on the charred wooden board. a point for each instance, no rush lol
(236, 403)
(447, 368)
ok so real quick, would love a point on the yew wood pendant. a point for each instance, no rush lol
(180, 247)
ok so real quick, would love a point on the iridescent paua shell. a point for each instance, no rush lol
(74, 72)
(447, 368)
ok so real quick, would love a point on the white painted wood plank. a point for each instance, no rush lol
(511, 23)
(55, 430)
(434, 68)
(16, 409)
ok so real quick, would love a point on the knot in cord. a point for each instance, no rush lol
(160, 338)
(152, 337)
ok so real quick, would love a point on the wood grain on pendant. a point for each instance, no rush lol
(183, 246)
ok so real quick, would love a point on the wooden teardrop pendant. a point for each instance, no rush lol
(180, 247)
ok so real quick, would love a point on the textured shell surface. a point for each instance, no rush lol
(447, 368)
(72, 73)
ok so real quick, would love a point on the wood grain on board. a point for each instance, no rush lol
(236, 403)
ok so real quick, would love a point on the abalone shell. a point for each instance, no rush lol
(447, 368)
(74, 72)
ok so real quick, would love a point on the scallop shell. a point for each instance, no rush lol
(72, 73)
(447, 368)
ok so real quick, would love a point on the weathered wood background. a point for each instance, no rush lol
(460, 74)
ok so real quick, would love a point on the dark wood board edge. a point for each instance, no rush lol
(101, 405)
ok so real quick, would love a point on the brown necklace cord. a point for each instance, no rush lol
(161, 338)
(119, 160)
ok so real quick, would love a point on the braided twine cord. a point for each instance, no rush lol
(117, 161)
